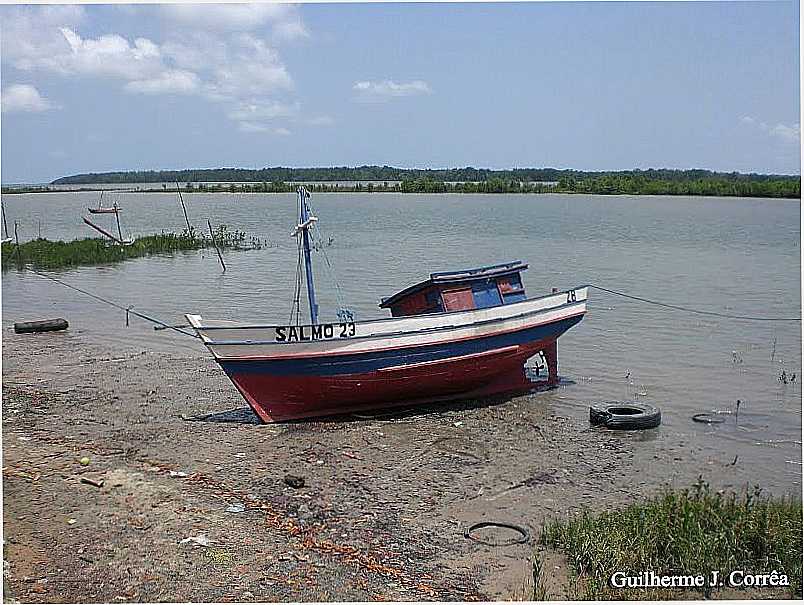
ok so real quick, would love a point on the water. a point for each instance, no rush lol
(738, 256)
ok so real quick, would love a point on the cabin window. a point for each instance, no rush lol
(434, 301)
(510, 288)
(459, 299)
(510, 284)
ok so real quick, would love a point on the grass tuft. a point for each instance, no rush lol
(47, 254)
(689, 532)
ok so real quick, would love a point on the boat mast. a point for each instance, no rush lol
(306, 221)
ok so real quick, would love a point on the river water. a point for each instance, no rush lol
(733, 256)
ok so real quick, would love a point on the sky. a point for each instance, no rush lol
(589, 86)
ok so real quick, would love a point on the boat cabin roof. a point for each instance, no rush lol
(449, 277)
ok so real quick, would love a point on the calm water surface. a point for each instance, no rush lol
(738, 256)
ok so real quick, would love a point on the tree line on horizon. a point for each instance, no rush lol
(388, 173)
(462, 180)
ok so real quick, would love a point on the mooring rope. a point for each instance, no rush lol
(128, 310)
(690, 310)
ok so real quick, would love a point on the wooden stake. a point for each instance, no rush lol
(117, 216)
(214, 243)
(18, 249)
(103, 231)
(5, 224)
(184, 208)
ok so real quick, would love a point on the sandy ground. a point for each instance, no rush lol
(381, 516)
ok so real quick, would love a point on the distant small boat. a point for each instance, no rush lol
(101, 209)
(105, 210)
(460, 334)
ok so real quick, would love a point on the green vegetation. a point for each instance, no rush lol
(457, 180)
(47, 254)
(715, 185)
(388, 173)
(691, 532)
(372, 179)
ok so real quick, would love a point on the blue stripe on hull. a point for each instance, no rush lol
(371, 361)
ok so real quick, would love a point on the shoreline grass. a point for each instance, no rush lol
(689, 532)
(48, 254)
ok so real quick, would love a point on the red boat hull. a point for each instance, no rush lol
(277, 398)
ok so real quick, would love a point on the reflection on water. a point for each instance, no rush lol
(738, 256)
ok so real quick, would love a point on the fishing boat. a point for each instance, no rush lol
(101, 209)
(105, 210)
(456, 335)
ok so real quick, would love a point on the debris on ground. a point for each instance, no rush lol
(294, 481)
(199, 540)
(93, 482)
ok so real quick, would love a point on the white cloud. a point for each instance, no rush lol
(32, 33)
(262, 110)
(252, 127)
(787, 133)
(290, 29)
(233, 69)
(321, 121)
(224, 53)
(23, 98)
(284, 19)
(170, 81)
(252, 69)
(107, 56)
(370, 92)
(197, 51)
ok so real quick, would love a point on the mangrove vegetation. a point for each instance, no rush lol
(48, 254)
(454, 180)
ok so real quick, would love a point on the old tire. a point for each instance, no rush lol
(625, 416)
(45, 325)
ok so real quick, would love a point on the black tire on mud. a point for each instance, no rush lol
(625, 416)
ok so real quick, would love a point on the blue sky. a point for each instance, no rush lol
(592, 86)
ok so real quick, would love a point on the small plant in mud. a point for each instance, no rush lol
(693, 532)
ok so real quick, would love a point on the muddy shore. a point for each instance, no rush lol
(381, 515)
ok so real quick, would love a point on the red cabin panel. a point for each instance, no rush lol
(460, 299)
(417, 303)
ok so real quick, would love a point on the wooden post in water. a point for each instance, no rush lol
(17, 239)
(5, 224)
(117, 217)
(102, 231)
(214, 243)
(184, 208)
